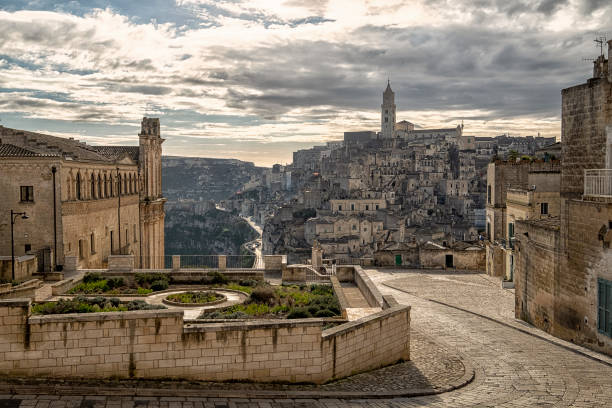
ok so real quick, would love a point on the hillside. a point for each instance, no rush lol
(213, 232)
(204, 178)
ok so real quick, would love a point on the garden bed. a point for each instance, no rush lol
(281, 302)
(142, 284)
(82, 304)
(195, 298)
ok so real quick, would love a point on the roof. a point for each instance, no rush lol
(39, 144)
(9, 150)
(399, 246)
(117, 152)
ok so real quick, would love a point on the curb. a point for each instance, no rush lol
(546, 339)
(75, 389)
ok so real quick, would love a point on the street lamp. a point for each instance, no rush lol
(14, 216)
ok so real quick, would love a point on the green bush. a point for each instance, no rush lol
(217, 278)
(148, 278)
(115, 283)
(92, 277)
(194, 297)
(159, 285)
(263, 294)
(90, 287)
(143, 291)
(248, 282)
(142, 305)
(299, 313)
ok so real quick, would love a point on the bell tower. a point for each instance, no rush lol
(387, 113)
(151, 198)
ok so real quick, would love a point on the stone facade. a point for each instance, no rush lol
(107, 198)
(560, 263)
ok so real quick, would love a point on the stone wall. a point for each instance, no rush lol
(536, 268)
(25, 267)
(468, 259)
(585, 110)
(367, 288)
(157, 344)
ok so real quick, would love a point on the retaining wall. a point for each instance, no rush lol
(157, 344)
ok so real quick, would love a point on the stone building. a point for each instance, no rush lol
(84, 202)
(514, 199)
(563, 273)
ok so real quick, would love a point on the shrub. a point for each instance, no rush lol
(235, 286)
(324, 313)
(142, 305)
(143, 291)
(92, 277)
(218, 278)
(159, 285)
(115, 283)
(100, 286)
(299, 313)
(194, 297)
(262, 294)
(149, 278)
(248, 282)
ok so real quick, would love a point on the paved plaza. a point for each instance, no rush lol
(463, 317)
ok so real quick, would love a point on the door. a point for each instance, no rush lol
(449, 261)
(398, 259)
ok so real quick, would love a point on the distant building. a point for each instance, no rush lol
(387, 114)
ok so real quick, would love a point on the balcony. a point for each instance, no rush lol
(598, 183)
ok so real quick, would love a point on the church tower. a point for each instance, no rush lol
(151, 199)
(387, 114)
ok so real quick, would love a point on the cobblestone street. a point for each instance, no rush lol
(470, 316)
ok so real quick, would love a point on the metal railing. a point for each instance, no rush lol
(598, 182)
(199, 261)
(240, 261)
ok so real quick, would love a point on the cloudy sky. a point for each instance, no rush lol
(256, 80)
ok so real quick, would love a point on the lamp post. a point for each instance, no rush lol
(14, 216)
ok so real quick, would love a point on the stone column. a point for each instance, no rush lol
(222, 262)
(176, 262)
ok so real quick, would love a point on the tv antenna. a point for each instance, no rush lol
(600, 41)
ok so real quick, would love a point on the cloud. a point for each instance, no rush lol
(291, 73)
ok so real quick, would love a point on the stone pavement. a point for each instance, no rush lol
(513, 368)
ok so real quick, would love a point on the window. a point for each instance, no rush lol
(28, 247)
(352, 207)
(339, 208)
(604, 306)
(544, 208)
(27, 194)
(92, 243)
(81, 249)
(489, 194)
(78, 186)
(377, 206)
(135, 235)
(386, 119)
(354, 227)
(367, 207)
(93, 187)
(489, 230)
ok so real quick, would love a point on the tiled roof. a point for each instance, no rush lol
(116, 152)
(9, 150)
(46, 145)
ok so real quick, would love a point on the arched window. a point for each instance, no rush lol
(93, 187)
(78, 186)
(110, 185)
(68, 189)
(131, 185)
(105, 186)
(99, 186)
(119, 184)
(125, 184)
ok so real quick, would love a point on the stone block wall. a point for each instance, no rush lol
(367, 288)
(157, 344)
(536, 268)
(586, 110)
(25, 267)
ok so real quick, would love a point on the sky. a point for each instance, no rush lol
(257, 80)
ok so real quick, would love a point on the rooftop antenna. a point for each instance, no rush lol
(600, 41)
